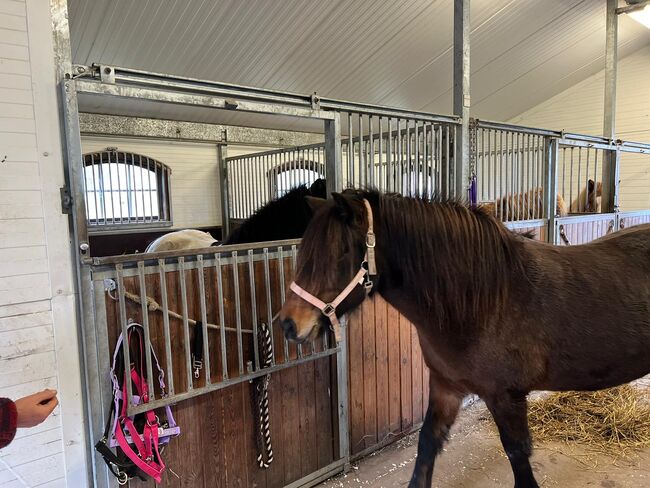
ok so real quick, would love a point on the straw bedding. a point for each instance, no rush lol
(615, 422)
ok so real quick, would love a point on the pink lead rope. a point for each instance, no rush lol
(363, 275)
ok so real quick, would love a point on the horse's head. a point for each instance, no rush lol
(330, 260)
(594, 194)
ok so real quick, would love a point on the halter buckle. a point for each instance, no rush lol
(328, 310)
(371, 241)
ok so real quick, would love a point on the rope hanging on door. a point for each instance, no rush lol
(260, 392)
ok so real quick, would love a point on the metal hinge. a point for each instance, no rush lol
(66, 200)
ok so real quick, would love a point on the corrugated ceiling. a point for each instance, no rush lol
(396, 52)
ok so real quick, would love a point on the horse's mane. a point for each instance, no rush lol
(286, 217)
(459, 260)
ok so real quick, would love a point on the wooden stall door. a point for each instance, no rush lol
(217, 446)
(388, 380)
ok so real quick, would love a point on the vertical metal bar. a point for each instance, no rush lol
(149, 185)
(571, 182)
(552, 155)
(520, 170)
(371, 158)
(416, 158)
(586, 177)
(294, 255)
(461, 98)
(390, 161)
(165, 312)
(145, 327)
(269, 305)
(222, 316)
(400, 159)
(409, 159)
(611, 62)
(579, 189)
(361, 167)
(342, 393)
(495, 191)
(125, 333)
(103, 187)
(127, 177)
(204, 319)
(502, 187)
(350, 181)
(251, 281)
(427, 160)
(333, 159)
(381, 185)
(532, 205)
(282, 294)
(92, 168)
(186, 325)
(240, 345)
(224, 189)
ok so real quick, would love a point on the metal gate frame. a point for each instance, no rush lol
(106, 81)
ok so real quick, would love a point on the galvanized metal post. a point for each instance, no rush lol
(461, 96)
(551, 159)
(343, 398)
(333, 159)
(609, 124)
(224, 190)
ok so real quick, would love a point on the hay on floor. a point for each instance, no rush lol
(614, 421)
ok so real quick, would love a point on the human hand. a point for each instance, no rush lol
(34, 409)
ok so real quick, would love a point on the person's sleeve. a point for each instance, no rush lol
(8, 419)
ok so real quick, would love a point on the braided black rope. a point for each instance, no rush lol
(262, 402)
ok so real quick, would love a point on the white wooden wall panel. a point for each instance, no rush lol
(580, 109)
(38, 331)
(194, 181)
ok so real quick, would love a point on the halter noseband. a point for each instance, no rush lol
(363, 277)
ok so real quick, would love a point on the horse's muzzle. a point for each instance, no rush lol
(289, 329)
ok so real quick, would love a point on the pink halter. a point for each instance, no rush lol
(361, 278)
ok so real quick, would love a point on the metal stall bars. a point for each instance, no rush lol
(230, 291)
(512, 167)
(579, 168)
(407, 153)
(632, 196)
(391, 151)
(257, 178)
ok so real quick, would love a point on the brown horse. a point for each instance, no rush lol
(496, 314)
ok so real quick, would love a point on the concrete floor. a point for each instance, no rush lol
(473, 458)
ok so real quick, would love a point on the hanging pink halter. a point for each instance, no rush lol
(361, 278)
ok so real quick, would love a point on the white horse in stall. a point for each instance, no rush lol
(182, 239)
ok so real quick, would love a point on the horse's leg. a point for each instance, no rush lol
(509, 411)
(444, 403)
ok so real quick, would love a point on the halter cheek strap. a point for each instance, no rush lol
(361, 278)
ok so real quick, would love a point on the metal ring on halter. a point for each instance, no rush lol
(122, 478)
(328, 310)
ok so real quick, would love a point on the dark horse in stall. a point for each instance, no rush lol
(497, 314)
(284, 218)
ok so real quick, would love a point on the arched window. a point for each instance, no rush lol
(294, 173)
(124, 188)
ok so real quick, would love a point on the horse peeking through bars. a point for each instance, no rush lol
(497, 314)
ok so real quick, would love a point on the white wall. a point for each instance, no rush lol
(580, 109)
(38, 330)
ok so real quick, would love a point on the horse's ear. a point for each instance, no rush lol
(315, 203)
(344, 206)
